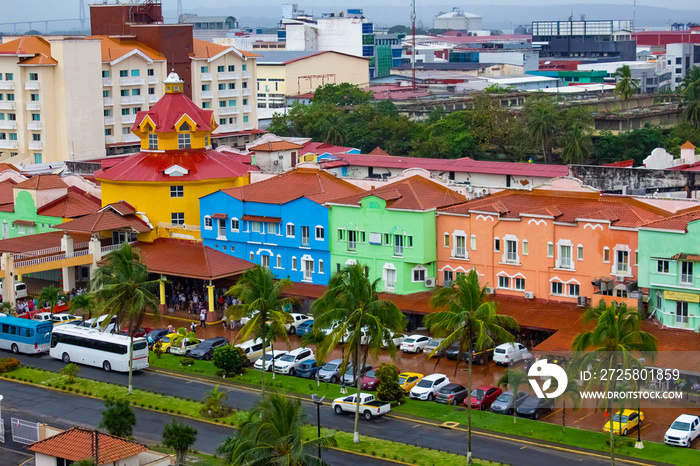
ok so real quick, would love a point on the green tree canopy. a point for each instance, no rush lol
(626, 85)
(180, 437)
(118, 418)
(341, 95)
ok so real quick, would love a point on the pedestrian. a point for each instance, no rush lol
(221, 301)
(193, 328)
(171, 329)
(223, 321)
(203, 318)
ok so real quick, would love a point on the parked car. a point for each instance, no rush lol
(369, 406)
(184, 345)
(330, 371)
(428, 387)
(624, 421)
(430, 347)
(42, 317)
(297, 319)
(508, 354)
(414, 343)
(98, 322)
(369, 381)
(307, 369)
(305, 327)
(504, 403)
(269, 356)
(480, 356)
(289, 363)
(452, 394)
(533, 407)
(396, 338)
(408, 380)
(167, 341)
(20, 291)
(683, 431)
(157, 335)
(205, 349)
(253, 349)
(351, 377)
(138, 332)
(483, 396)
(60, 319)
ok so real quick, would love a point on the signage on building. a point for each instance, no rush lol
(681, 296)
(375, 238)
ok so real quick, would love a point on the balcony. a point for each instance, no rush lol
(228, 110)
(248, 126)
(133, 81)
(245, 75)
(31, 86)
(110, 139)
(34, 145)
(227, 129)
(226, 76)
(205, 76)
(566, 263)
(398, 250)
(8, 124)
(107, 82)
(5, 144)
(33, 106)
(34, 126)
(152, 80)
(246, 92)
(206, 94)
(152, 99)
(128, 119)
(7, 85)
(229, 93)
(247, 109)
(130, 138)
(133, 100)
(109, 121)
(7, 106)
(461, 252)
(107, 101)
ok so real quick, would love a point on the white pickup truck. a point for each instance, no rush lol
(369, 406)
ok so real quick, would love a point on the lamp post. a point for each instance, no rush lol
(318, 402)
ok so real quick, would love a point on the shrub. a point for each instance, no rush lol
(119, 418)
(9, 364)
(230, 359)
(158, 349)
(389, 388)
(70, 371)
(186, 362)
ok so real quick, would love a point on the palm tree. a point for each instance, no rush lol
(315, 337)
(513, 380)
(626, 85)
(214, 400)
(274, 435)
(578, 146)
(610, 345)
(469, 320)
(691, 84)
(350, 306)
(691, 113)
(84, 302)
(122, 289)
(51, 296)
(542, 124)
(333, 132)
(572, 393)
(262, 304)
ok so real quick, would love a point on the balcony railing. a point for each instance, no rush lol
(229, 93)
(227, 76)
(566, 263)
(686, 278)
(178, 226)
(247, 109)
(130, 138)
(398, 250)
(110, 139)
(511, 257)
(31, 85)
(622, 268)
(206, 94)
(248, 126)
(133, 81)
(8, 124)
(460, 252)
(6, 144)
(305, 241)
(245, 75)
(7, 85)
(205, 76)
(228, 110)
(109, 121)
(133, 100)
(152, 99)
(152, 80)
(107, 101)
(33, 106)
(107, 82)
(7, 106)
(128, 119)
(227, 128)
(34, 125)
(246, 92)
(35, 145)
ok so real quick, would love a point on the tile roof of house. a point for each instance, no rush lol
(38, 241)
(675, 223)
(104, 220)
(275, 146)
(688, 145)
(205, 49)
(566, 207)
(193, 260)
(168, 111)
(378, 151)
(200, 164)
(413, 193)
(42, 182)
(316, 185)
(121, 207)
(31, 50)
(8, 166)
(75, 203)
(78, 443)
(7, 191)
(285, 57)
(117, 47)
(322, 147)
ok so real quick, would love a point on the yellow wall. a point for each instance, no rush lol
(154, 200)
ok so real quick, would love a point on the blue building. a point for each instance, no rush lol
(281, 222)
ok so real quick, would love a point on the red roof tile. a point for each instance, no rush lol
(201, 165)
(260, 218)
(8, 166)
(31, 50)
(414, 193)
(275, 146)
(104, 220)
(168, 111)
(378, 151)
(116, 47)
(122, 207)
(7, 195)
(75, 203)
(676, 223)
(688, 145)
(316, 185)
(42, 182)
(564, 206)
(38, 241)
(77, 444)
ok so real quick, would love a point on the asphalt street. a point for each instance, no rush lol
(488, 447)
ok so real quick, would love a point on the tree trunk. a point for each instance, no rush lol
(469, 398)
(131, 354)
(563, 418)
(262, 337)
(356, 436)
(273, 361)
(544, 152)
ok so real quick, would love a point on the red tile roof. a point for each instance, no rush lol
(104, 220)
(316, 185)
(122, 207)
(275, 146)
(77, 444)
(564, 206)
(414, 193)
(688, 145)
(8, 166)
(74, 204)
(117, 47)
(193, 260)
(201, 165)
(622, 163)
(168, 111)
(261, 218)
(31, 50)
(378, 151)
(38, 241)
(322, 147)
(7, 195)
(42, 182)
(675, 223)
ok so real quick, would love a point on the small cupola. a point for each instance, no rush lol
(173, 83)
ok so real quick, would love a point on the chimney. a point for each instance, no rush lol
(688, 153)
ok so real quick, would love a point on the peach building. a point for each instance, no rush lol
(563, 242)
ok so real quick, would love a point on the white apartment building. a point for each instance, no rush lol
(679, 59)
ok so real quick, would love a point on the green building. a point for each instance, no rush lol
(575, 77)
(668, 252)
(391, 230)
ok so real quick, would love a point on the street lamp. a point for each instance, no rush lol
(318, 402)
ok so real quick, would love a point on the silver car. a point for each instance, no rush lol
(330, 371)
(504, 403)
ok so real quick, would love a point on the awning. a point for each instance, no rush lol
(223, 216)
(258, 218)
(24, 223)
(687, 257)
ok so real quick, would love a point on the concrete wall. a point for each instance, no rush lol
(635, 180)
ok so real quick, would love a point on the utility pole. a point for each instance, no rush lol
(413, 46)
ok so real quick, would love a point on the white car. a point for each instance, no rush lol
(60, 319)
(397, 338)
(508, 354)
(414, 343)
(42, 316)
(683, 431)
(269, 356)
(296, 320)
(289, 363)
(428, 387)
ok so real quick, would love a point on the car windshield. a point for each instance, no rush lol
(505, 398)
(166, 339)
(678, 425)
(371, 375)
(330, 366)
(478, 394)
(409, 340)
(500, 350)
(287, 358)
(425, 383)
(402, 379)
(268, 356)
(618, 418)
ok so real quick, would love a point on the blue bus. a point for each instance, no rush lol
(24, 335)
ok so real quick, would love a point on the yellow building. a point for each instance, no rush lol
(175, 167)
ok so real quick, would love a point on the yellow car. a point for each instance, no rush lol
(407, 380)
(624, 421)
(167, 341)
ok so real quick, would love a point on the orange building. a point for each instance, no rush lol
(562, 242)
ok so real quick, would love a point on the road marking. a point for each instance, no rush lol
(26, 461)
(550, 414)
(645, 425)
(581, 419)
(523, 447)
(417, 425)
(449, 425)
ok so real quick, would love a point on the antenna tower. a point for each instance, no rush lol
(413, 46)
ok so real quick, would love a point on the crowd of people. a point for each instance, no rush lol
(187, 296)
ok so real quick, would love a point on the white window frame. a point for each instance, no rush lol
(506, 279)
(385, 272)
(560, 264)
(221, 228)
(606, 251)
(293, 230)
(510, 257)
(515, 284)
(238, 223)
(305, 261)
(446, 240)
(294, 262)
(568, 289)
(458, 235)
(622, 248)
(418, 268)
(550, 249)
(322, 230)
(579, 252)
(258, 226)
(307, 243)
(668, 266)
(320, 266)
(472, 242)
(265, 260)
(496, 242)
(279, 261)
(526, 247)
(207, 222)
(551, 288)
(685, 278)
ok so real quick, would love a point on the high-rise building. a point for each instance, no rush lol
(605, 39)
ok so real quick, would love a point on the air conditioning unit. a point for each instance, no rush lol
(582, 301)
(529, 295)
(619, 278)
(490, 290)
(430, 282)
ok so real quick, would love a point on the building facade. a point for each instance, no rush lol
(605, 39)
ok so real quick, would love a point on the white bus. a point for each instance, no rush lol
(94, 348)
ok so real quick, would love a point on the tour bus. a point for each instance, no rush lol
(109, 351)
(23, 335)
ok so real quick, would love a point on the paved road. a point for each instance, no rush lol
(491, 447)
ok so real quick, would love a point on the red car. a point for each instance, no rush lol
(369, 381)
(483, 396)
(138, 332)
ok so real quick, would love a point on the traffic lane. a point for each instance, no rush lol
(11, 454)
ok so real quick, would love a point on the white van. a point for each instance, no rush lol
(112, 327)
(253, 349)
(20, 290)
(508, 354)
